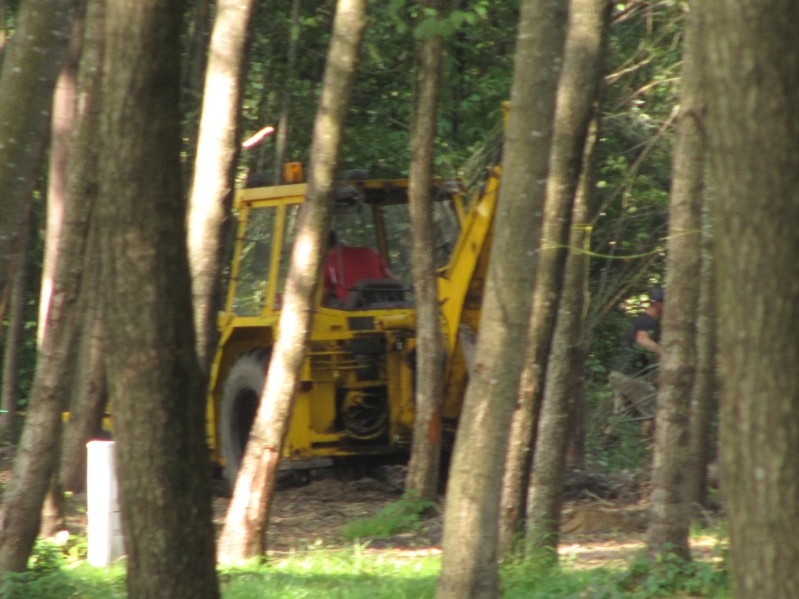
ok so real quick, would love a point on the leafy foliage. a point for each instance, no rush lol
(670, 576)
(52, 574)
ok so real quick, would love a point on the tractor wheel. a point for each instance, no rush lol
(242, 391)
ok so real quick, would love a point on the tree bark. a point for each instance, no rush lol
(65, 101)
(88, 391)
(282, 135)
(30, 66)
(195, 55)
(34, 466)
(469, 567)
(425, 463)
(563, 388)
(156, 385)
(670, 511)
(753, 147)
(244, 532)
(13, 338)
(704, 396)
(577, 94)
(215, 166)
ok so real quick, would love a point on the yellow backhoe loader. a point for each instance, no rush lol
(356, 398)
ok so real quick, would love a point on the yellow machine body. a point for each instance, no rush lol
(356, 398)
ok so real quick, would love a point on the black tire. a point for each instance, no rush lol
(243, 388)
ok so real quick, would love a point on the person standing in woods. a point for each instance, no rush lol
(644, 337)
(634, 382)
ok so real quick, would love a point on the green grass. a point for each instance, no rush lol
(396, 517)
(335, 574)
(361, 573)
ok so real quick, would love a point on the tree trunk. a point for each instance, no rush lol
(155, 381)
(89, 395)
(12, 343)
(471, 517)
(670, 511)
(215, 167)
(31, 64)
(244, 532)
(753, 147)
(88, 392)
(195, 54)
(577, 93)
(563, 389)
(65, 101)
(282, 136)
(425, 463)
(704, 396)
(34, 466)
(4, 26)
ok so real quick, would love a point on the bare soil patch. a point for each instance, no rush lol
(596, 531)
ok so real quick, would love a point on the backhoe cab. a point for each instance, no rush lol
(356, 399)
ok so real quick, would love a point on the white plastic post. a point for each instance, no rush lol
(105, 526)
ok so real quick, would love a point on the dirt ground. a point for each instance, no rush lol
(597, 530)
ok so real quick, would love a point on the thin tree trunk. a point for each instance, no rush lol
(471, 517)
(89, 398)
(282, 136)
(425, 462)
(670, 508)
(34, 466)
(563, 391)
(87, 394)
(32, 62)
(244, 532)
(14, 333)
(62, 130)
(577, 93)
(195, 54)
(214, 169)
(704, 396)
(65, 101)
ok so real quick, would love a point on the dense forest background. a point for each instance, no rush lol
(284, 69)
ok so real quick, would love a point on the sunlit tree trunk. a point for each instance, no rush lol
(670, 508)
(30, 67)
(753, 148)
(244, 532)
(425, 462)
(65, 100)
(471, 517)
(155, 380)
(215, 166)
(577, 94)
